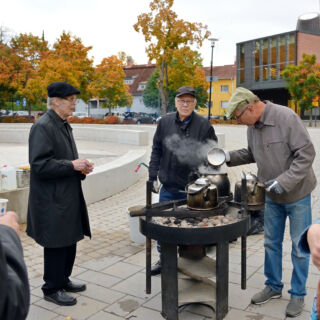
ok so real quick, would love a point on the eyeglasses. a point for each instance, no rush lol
(71, 99)
(243, 111)
(188, 102)
(241, 114)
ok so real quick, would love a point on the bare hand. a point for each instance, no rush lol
(10, 219)
(82, 165)
(313, 237)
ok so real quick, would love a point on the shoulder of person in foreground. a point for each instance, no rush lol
(14, 285)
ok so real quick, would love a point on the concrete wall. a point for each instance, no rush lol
(13, 133)
(102, 183)
(113, 177)
(18, 202)
(139, 135)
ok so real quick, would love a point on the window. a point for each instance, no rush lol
(257, 61)
(291, 49)
(223, 104)
(213, 78)
(142, 86)
(225, 88)
(241, 64)
(128, 81)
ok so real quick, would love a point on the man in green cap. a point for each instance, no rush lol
(281, 146)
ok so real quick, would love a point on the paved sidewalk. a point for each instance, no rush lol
(113, 266)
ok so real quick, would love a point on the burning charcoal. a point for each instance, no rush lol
(177, 221)
(225, 220)
(168, 221)
(184, 224)
(191, 220)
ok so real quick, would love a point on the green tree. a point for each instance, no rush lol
(165, 33)
(151, 96)
(303, 82)
(185, 69)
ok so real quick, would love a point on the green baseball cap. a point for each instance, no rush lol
(240, 98)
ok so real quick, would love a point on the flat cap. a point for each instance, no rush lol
(61, 90)
(240, 98)
(185, 90)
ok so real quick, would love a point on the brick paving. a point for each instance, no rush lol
(113, 267)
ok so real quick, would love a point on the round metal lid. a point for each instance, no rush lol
(216, 157)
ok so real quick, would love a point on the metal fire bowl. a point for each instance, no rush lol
(196, 236)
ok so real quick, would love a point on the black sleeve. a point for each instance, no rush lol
(211, 135)
(41, 156)
(156, 154)
(14, 285)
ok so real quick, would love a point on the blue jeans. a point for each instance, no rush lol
(167, 196)
(275, 216)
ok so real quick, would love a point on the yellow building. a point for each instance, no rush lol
(223, 85)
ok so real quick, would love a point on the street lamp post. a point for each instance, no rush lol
(213, 40)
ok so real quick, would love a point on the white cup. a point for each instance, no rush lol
(3, 206)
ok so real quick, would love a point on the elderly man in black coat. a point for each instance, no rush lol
(57, 212)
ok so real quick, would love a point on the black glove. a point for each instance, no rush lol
(274, 186)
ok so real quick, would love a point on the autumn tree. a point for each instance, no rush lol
(31, 50)
(303, 82)
(108, 84)
(10, 65)
(68, 61)
(125, 59)
(165, 33)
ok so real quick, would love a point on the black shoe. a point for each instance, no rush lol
(156, 268)
(61, 298)
(74, 287)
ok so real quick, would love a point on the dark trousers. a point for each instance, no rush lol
(58, 264)
(165, 195)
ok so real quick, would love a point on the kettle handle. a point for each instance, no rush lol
(254, 188)
(205, 194)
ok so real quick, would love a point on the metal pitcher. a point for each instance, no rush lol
(255, 190)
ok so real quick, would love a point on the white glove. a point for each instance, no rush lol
(274, 186)
(155, 186)
(227, 153)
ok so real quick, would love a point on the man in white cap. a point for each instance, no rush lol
(281, 146)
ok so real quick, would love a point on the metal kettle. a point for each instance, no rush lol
(202, 195)
(255, 190)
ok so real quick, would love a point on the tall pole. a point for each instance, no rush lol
(213, 40)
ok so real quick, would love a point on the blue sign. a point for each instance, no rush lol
(18, 102)
(24, 102)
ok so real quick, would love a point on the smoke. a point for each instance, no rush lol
(189, 151)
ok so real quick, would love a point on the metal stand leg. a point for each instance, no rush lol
(222, 273)
(169, 281)
(243, 262)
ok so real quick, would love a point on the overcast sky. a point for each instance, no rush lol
(107, 25)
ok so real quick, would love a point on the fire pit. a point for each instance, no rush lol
(173, 225)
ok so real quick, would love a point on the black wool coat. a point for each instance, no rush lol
(14, 284)
(57, 212)
(174, 162)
